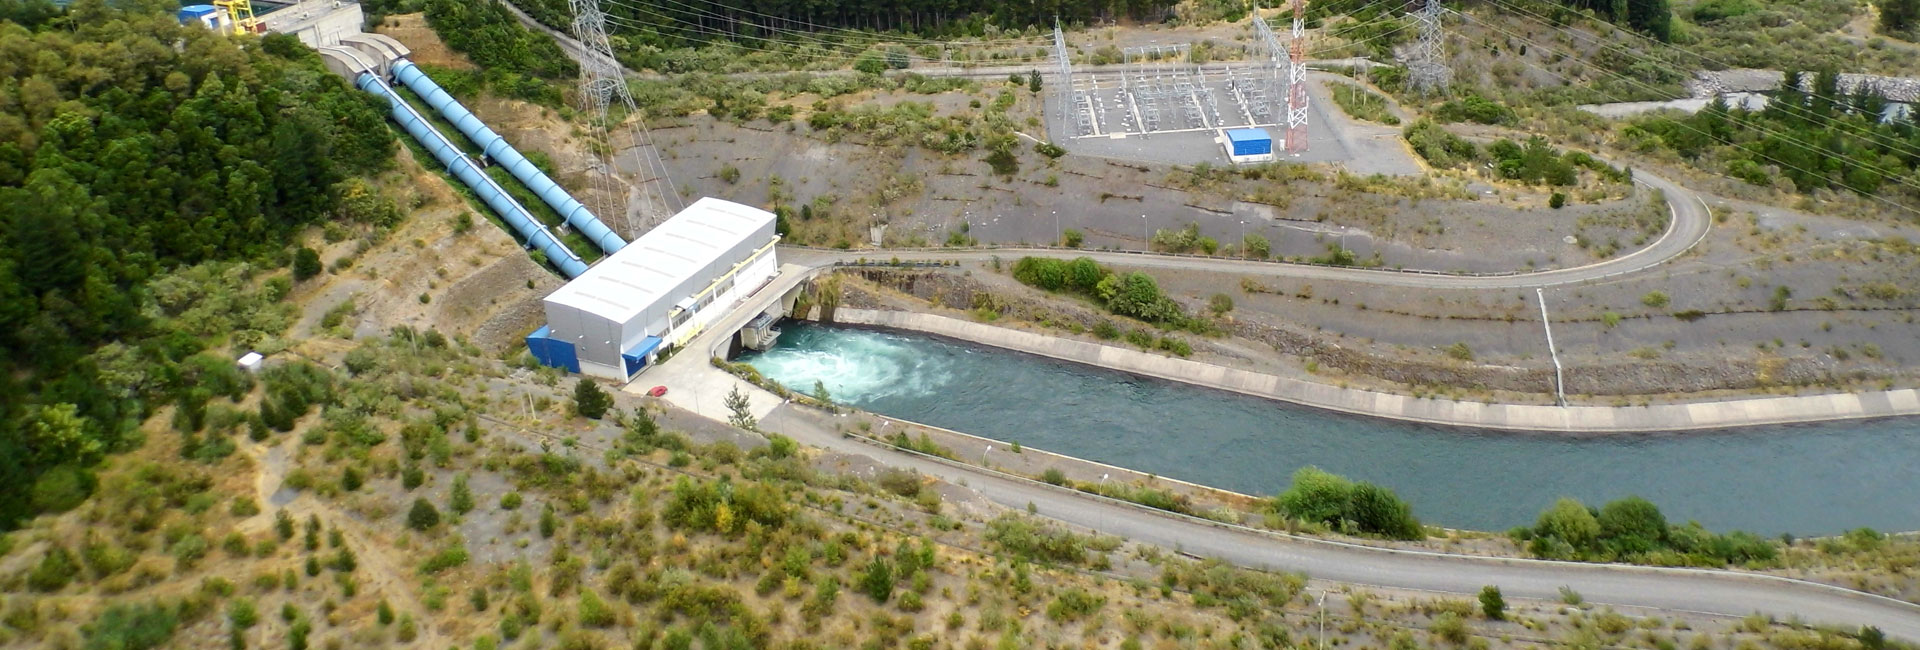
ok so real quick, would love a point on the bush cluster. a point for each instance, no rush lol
(1036, 540)
(1362, 508)
(724, 507)
(1634, 530)
(1134, 294)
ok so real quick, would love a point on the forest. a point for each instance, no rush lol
(688, 23)
(132, 148)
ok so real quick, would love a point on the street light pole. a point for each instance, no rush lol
(1143, 233)
(1323, 620)
(1243, 238)
(1058, 234)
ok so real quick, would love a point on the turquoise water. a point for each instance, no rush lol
(1804, 480)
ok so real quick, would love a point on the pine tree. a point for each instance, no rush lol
(306, 263)
(462, 500)
(1897, 17)
(589, 401)
(741, 410)
(423, 515)
(1653, 17)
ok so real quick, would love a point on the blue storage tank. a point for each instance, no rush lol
(1250, 142)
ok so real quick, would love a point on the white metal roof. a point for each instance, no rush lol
(626, 283)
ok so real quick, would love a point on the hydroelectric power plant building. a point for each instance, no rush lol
(662, 289)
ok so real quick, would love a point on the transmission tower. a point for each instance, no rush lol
(602, 83)
(1428, 71)
(1297, 81)
(1274, 52)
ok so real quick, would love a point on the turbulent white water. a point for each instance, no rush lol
(857, 371)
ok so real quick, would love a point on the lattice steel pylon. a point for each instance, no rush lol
(1274, 49)
(1297, 81)
(1427, 70)
(1063, 77)
(602, 82)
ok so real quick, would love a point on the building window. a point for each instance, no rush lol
(680, 317)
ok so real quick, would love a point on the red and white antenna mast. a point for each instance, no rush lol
(1297, 81)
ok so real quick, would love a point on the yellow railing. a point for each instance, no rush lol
(239, 14)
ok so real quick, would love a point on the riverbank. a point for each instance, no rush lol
(1717, 414)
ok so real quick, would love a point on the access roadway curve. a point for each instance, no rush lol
(1689, 224)
(1686, 229)
(1726, 593)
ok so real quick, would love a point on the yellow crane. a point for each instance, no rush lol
(239, 14)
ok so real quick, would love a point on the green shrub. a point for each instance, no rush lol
(1474, 108)
(423, 516)
(132, 627)
(1220, 303)
(1439, 147)
(594, 612)
(1364, 508)
(1030, 538)
(1450, 627)
(1492, 603)
(55, 570)
(589, 401)
(1655, 299)
(306, 263)
(452, 555)
(1074, 604)
(876, 580)
(1460, 351)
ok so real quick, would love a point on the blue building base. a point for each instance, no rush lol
(553, 353)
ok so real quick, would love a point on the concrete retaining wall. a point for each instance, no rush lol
(1530, 417)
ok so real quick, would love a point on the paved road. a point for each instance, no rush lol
(1678, 590)
(1690, 223)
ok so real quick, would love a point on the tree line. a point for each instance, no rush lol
(130, 147)
(1810, 134)
(691, 23)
